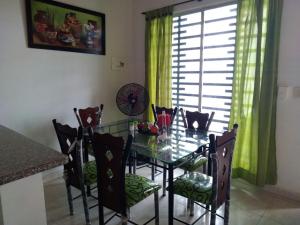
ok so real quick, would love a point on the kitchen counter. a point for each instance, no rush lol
(21, 186)
(22, 157)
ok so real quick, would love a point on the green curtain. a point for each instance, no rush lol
(255, 90)
(159, 24)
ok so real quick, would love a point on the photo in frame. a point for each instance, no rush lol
(59, 26)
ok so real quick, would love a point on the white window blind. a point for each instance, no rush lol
(203, 60)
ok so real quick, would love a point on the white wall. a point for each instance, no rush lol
(288, 122)
(38, 85)
(288, 113)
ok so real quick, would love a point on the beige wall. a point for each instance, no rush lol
(288, 109)
(288, 122)
(38, 85)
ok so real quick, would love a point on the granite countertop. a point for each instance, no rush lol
(22, 157)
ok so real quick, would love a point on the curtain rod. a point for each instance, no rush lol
(179, 3)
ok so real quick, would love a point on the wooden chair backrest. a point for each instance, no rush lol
(209, 120)
(67, 136)
(158, 110)
(203, 119)
(222, 159)
(111, 161)
(89, 117)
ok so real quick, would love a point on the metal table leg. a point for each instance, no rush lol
(134, 162)
(164, 180)
(171, 195)
(153, 169)
(130, 159)
(86, 142)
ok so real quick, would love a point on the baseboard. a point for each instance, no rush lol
(282, 192)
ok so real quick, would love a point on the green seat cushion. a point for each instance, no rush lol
(194, 186)
(194, 163)
(138, 188)
(90, 173)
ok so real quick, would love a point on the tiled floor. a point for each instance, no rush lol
(250, 205)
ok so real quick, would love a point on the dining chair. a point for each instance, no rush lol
(203, 121)
(212, 189)
(117, 190)
(158, 110)
(76, 174)
(157, 113)
(199, 160)
(89, 117)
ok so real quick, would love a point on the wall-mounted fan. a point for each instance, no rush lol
(132, 99)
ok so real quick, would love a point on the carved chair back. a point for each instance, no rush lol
(111, 160)
(68, 139)
(158, 110)
(203, 120)
(222, 159)
(89, 117)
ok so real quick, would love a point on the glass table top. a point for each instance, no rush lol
(177, 146)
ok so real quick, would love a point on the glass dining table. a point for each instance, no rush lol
(179, 147)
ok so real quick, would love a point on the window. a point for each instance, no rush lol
(203, 60)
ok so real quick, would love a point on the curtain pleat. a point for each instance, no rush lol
(254, 93)
(159, 24)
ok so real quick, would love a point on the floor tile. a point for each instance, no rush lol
(250, 205)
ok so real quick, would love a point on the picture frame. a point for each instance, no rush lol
(59, 26)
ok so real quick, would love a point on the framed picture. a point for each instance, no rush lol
(58, 26)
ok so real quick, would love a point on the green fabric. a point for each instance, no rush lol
(159, 25)
(194, 186)
(255, 90)
(194, 163)
(138, 188)
(90, 173)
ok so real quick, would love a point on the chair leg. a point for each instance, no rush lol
(85, 206)
(204, 168)
(191, 207)
(164, 181)
(70, 199)
(213, 215)
(226, 213)
(88, 190)
(188, 203)
(124, 220)
(101, 214)
(207, 207)
(156, 205)
(128, 213)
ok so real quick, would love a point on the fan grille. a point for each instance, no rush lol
(132, 99)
